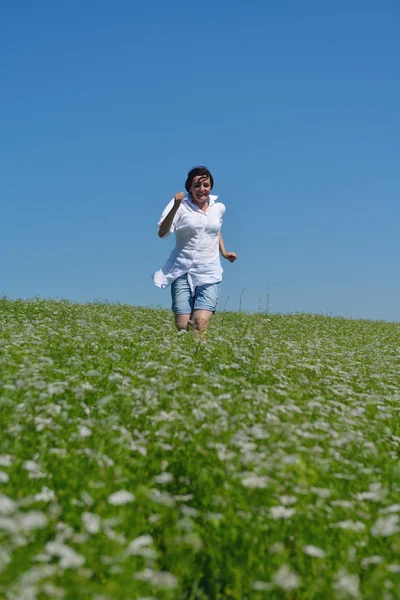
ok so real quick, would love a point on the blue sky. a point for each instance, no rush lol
(293, 105)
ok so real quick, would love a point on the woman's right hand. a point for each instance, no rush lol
(178, 199)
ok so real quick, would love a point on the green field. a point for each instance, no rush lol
(136, 463)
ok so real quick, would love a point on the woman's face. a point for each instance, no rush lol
(201, 188)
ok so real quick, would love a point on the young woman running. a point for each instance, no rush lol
(194, 269)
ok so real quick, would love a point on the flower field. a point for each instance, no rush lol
(139, 464)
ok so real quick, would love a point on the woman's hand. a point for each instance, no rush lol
(178, 199)
(165, 226)
(231, 256)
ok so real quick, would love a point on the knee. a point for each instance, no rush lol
(200, 323)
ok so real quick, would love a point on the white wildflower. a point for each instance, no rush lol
(159, 579)
(189, 511)
(347, 585)
(7, 505)
(114, 535)
(87, 498)
(213, 517)
(161, 497)
(64, 532)
(30, 465)
(394, 568)
(41, 557)
(91, 522)
(281, 512)
(45, 495)
(4, 478)
(85, 431)
(121, 497)
(72, 560)
(53, 591)
(6, 460)
(375, 493)
(286, 579)
(351, 554)
(33, 519)
(321, 492)
(69, 558)
(61, 452)
(254, 481)
(375, 559)
(276, 548)
(163, 478)
(140, 542)
(5, 559)
(189, 539)
(140, 547)
(261, 586)
(34, 469)
(286, 500)
(36, 574)
(183, 497)
(342, 503)
(393, 508)
(85, 385)
(385, 526)
(311, 550)
(8, 524)
(349, 525)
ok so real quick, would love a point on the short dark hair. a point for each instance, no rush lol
(195, 172)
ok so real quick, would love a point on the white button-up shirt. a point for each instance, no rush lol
(197, 244)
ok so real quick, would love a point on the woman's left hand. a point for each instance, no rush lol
(231, 256)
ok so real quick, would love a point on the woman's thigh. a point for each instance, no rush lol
(206, 297)
(182, 300)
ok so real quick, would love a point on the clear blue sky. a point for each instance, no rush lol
(293, 105)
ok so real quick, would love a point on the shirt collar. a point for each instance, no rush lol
(212, 199)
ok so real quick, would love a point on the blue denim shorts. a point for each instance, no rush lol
(205, 296)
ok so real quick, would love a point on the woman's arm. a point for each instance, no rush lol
(231, 256)
(166, 224)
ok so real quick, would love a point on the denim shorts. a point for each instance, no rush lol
(205, 296)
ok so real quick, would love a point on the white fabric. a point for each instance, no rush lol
(197, 244)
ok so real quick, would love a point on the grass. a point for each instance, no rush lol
(138, 463)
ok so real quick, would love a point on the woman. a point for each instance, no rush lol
(194, 269)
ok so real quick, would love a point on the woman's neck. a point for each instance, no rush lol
(203, 206)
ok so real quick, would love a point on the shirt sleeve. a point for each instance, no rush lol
(164, 214)
(222, 209)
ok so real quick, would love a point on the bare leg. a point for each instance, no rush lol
(182, 322)
(201, 319)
